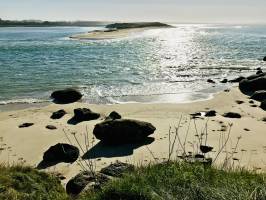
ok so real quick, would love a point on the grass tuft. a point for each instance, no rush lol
(26, 183)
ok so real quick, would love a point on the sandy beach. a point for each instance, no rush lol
(27, 145)
(114, 34)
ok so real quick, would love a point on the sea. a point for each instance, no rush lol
(167, 65)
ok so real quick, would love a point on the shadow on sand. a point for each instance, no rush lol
(44, 164)
(109, 151)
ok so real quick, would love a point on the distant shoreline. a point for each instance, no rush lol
(119, 30)
(38, 23)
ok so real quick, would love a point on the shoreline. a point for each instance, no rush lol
(37, 139)
(26, 105)
(112, 34)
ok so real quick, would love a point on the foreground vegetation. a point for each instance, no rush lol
(184, 181)
(160, 181)
(25, 183)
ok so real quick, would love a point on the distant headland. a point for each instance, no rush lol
(118, 30)
(136, 25)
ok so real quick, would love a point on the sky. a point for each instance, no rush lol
(183, 11)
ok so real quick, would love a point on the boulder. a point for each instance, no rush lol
(61, 153)
(85, 180)
(232, 115)
(66, 96)
(254, 83)
(121, 131)
(263, 105)
(84, 114)
(25, 125)
(259, 95)
(58, 114)
(117, 169)
(114, 115)
(264, 59)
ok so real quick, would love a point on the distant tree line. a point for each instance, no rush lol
(49, 23)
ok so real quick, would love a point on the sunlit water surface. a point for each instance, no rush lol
(159, 65)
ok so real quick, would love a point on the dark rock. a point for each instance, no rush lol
(237, 80)
(25, 125)
(232, 115)
(199, 156)
(83, 114)
(264, 59)
(251, 102)
(66, 96)
(210, 81)
(205, 149)
(259, 72)
(254, 84)
(259, 95)
(254, 76)
(117, 169)
(51, 127)
(85, 180)
(61, 153)
(224, 80)
(195, 115)
(113, 115)
(123, 131)
(211, 113)
(263, 105)
(239, 102)
(58, 114)
(258, 69)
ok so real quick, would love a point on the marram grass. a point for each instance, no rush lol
(167, 181)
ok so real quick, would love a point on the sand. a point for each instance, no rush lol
(101, 35)
(27, 145)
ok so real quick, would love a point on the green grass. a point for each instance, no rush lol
(173, 180)
(25, 183)
(183, 181)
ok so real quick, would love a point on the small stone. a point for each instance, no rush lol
(51, 127)
(210, 81)
(232, 115)
(239, 102)
(25, 125)
(58, 114)
(113, 115)
(224, 80)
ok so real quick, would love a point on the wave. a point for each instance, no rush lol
(23, 101)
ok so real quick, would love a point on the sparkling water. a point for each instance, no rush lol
(157, 65)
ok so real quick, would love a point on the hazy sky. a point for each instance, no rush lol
(229, 11)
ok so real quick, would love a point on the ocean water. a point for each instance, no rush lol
(159, 65)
